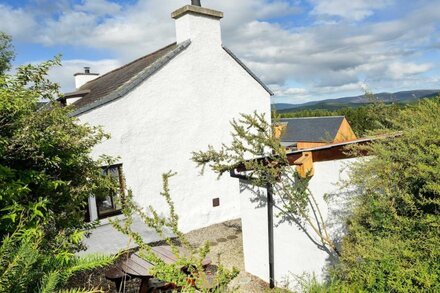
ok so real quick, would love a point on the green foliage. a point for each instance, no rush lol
(392, 244)
(46, 172)
(25, 266)
(256, 148)
(189, 257)
(81, 291)
(363, 120)
(46, 177)
(6, 52)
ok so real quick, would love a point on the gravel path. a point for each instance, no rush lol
(227, 246)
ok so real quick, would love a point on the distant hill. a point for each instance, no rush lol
(281, 106)
(334, 104)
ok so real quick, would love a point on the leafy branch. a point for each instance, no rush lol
(257, 150)
(185, 273)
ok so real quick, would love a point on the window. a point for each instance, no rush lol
(109, 205)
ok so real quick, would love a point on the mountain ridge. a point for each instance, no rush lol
(356, 101)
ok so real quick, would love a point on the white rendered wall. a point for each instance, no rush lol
(294, 253)
(82, 79)
(198, 28)
(70, 101)
(182, 108)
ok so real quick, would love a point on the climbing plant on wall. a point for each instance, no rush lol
(257, 150)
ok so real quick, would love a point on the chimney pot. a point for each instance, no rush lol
(196, 3)
(87, 70)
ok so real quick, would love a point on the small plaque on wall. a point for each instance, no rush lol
(216, 202)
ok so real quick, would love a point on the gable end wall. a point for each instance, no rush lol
(182, 108)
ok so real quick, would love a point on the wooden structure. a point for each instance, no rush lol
(136, 267)
(310, 132)
(304, 165)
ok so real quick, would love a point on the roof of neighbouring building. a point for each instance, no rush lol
(118, 82)
(311, 129)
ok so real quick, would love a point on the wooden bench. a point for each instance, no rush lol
(117, 276)
(136, 267)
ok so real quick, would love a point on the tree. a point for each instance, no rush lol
(257, 149)
(6, 52)
(46, 177)
(45, 161)
(393, 232)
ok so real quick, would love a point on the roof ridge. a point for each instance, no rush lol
(134, 61)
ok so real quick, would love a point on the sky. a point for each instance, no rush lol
(305, 50)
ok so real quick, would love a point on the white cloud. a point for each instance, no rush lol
(16, 22)
(348, 9)
(399, 70)
(290, 91)
(98, 7)
(328, 57)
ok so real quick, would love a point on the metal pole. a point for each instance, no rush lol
(270, 234)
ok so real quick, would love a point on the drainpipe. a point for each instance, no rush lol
(270, 234)
(270, 203)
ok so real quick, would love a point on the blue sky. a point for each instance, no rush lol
(303, 49)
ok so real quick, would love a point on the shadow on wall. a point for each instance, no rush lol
(339, 206)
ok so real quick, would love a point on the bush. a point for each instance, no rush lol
(46, 171)
(393, 232)
(27, 267)
(46, 177)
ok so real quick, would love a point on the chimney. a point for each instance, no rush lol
(84, 77)
(198, 24)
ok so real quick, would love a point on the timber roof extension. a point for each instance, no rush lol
(311, 129)
(120, 81)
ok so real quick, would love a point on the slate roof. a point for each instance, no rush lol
(311, 129)
(118, 82)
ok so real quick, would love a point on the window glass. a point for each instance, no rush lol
(109, 205)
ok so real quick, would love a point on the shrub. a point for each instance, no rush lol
(393, 232)
(46, 177)
(44, 156)
(257, 150)
(26, 266)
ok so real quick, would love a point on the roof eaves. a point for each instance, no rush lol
(339, 144)
(308, 118)
(76, 94)
(135, 81)
(248, 70)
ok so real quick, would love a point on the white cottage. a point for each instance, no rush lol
(165, 105)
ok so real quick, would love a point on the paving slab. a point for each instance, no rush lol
(107, 240)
